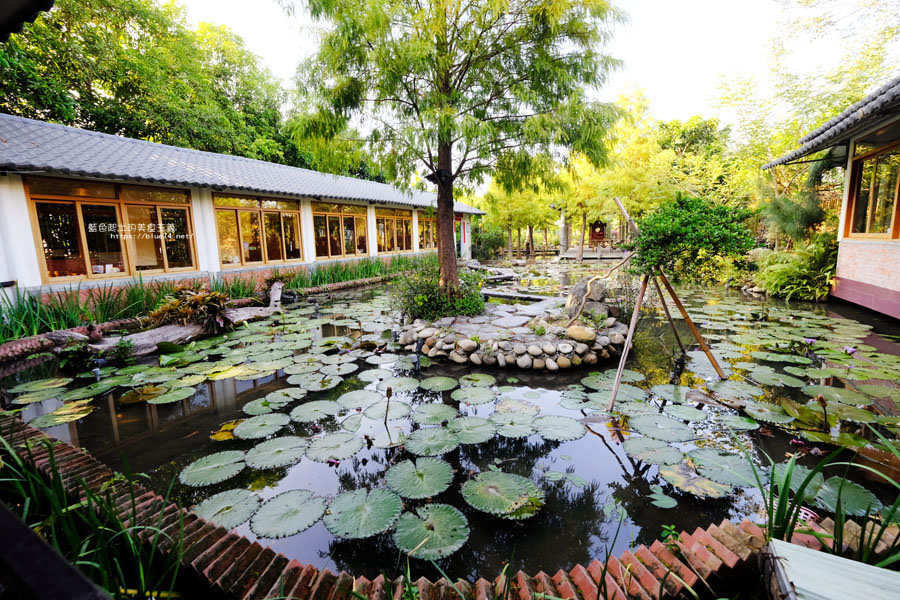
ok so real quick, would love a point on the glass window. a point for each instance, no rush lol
(320, 227)
(132, 193)
(362, 246)
(272, 222)
(101, 224)
(250, 240)
(354, 209)
(146, 245)
(349, 236)
(49, 186)
(177, 236)
(281, 204)
(229, 240)
(292, 246)
(241, 201)
(334, 236)
(875, 195)
(58, 224)
(326, 208)
(406, 227)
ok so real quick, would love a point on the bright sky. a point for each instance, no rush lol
(676, 51)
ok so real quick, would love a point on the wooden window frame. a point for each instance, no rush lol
(431, 240)
(341, 216)
(122, 219)
(893, 232)
(264, 245)
(394, 223)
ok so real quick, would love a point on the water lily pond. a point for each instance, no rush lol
(312, 433)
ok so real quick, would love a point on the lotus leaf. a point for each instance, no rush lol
(261, 426)
(685, 413)
(420, 479)
(438, 384)
(435, 531)
(666, 391)
(844, 439)
(40, 384)
(855, 500)
(513, 425)
(655, 452)
(352, 422)
(172, 396)
(662, 428)
(725, 468)
(381, 359)
(338, 359)
(339, 369)
(626, 392)
(880, 391)
(682, 477)
(496, 493)
(767, 376)
(230, 373)
(520, 407)
(315, 382)
(737, 422)
(477, 380)
(472, 430)
(770, 413)
(473, 395)
(730, 388)
(398, 384)
(142, 394)
(633, 409)
(302, 368)
(335, 446)
(532, 504)
(71, 411)
(362, 513)
(776, 357)
(358, 399)
(431, 441)
(374, 375)
(844, 412)
(384, 409)
(228, 509)
(38, 396)
(213, 468)
(836, 394)
(558, 428)
(288, 513)
(434, 414)
(277, 452)
(316, 410)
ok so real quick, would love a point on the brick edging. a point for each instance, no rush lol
(712, 558)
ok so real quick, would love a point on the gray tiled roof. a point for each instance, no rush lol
(28, 145)
(852, 121)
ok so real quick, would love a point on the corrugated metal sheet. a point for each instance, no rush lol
(29, 145)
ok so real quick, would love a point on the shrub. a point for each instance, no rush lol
(417, 294)
(804, 274)
(486, 241)
(194, 306)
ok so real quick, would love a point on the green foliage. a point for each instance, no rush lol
(417, 294)
(187, 305)
(123, 352)
(487, 240)
(235, 287)
(804, 274)
(685, 233)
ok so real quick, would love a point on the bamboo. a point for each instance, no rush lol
(628, 339)
(693, 327)
(668, 315)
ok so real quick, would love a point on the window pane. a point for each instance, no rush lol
(863, 189)
(389, 240)
(349, 236)
(229, 244)
(882, 211)
(406, 227)
(58, 224)
(334, 235)
(362, 246)
(379, 229)
(292, 247)
(280, 204)
(143, 231)
(325, 208)
(320, 226)
(273, 236)
(354, 209)
(149, 194)
(49, 186)
(101, 224)
(177, 236)
(250, 239)
(235, 201)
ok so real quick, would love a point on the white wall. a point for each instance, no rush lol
(307, 231)
(373, 231)
(19, 254)
(465, 246)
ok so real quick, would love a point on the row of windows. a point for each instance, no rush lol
(257, 230)
(874, 191)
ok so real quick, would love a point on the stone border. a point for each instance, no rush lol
(720, 557)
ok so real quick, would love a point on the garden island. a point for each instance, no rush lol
(436, 322)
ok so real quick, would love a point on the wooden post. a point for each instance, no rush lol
(693, 327)
(628, 339)
(668, 316)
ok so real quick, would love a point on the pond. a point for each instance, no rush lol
(271, 423)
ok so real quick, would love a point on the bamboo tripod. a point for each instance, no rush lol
(658, 277)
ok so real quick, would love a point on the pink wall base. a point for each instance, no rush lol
(877, 298)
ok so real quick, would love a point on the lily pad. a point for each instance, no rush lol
(682, 477)
(359, 399)
(335, 446)
(682, 412)
(40, 384)
(741, 390)
(315, 382)
(339, 369)
(435, 531)
(473, 395)
(316, 410)
(477, 380)
(434, 413)
(662, 428)
(836, 394)
(374, 375)
(172, 396)
(287, 514)
(532, 504)
(472, 430)
(382, 359)
(393, 409)
(772, 377)
(723, 467)
(278, 452)
(362, 513)
(438, 384)
(261, 426)
(420, 479)
(770, 413)
(213, 468)
(71, 411)
(558, 428)
(667, 391)
(228, 509)
(38, 396)
(737, 422)
(398, 384)
(495, 493)
(653, 451)
(518, 407)
(513, 425)
(431, 441)
(855, 500)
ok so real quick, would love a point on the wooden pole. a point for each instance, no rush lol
(631, 327)
(668, 316)
(693, 327)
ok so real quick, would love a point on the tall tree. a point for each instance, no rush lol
(459, 89)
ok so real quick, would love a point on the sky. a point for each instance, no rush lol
(677, 52)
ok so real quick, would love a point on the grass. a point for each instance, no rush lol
(350, 271)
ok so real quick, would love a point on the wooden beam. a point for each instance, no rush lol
(628, 339)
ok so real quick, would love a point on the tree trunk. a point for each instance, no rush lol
(449, 280)
(509, 242)
(580, 254)
(529, 245)
(519, 243)
(564, 235)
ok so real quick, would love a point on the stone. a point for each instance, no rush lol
(440, 353)
(610, 322)
(603, 340)
(538, 364)
(549, 349)
(490, 360)
(520, 349)
(501, 361)
(427, 333)
(556, 331)
(450, 338)
(512, 321)
(604, 354)
(616, 338)
(432, 353)
(563, 362)
(448, 345)
(579, 333)
(467, 345)
(576, 360)
(551, 365)
(590, 358)
(432, 341)
(619, 327)
(505, 346)
(565, 348)
(510, 358)
(475, 359)
(458, 358)
(445, 322)
(596, 310)
(585, 290)
(534, 350)
(406, 338)
(524, 362)
(581, 348)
